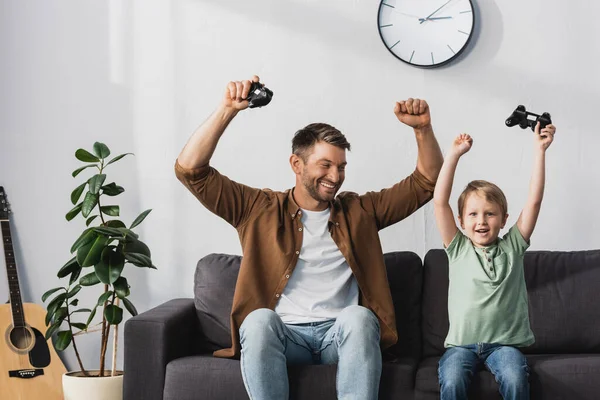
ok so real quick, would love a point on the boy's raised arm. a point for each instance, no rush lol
(529, 215)
(443, 188)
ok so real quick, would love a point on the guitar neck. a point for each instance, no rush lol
(16, 303)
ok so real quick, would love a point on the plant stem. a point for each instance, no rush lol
(73, 340)
(114, 351)
(104, 339)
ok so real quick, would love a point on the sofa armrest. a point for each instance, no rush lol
(152, 340)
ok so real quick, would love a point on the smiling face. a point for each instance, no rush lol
(319, 177)
(481, 219)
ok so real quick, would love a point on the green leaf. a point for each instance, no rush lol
(117, 158)
(53, 328)
(103, 297)
(139, 260)
(108, 231)
(113, 211)
(74, 291)
(112, 189)
(68, 268)
(115, 223)
(81, 310)
(79, 325)
(63, 340)
(139, 219)
(49, 292)
(89, 202)
(101, 150)
(76, 194)
(89, 280)
(90, 254)
(129, 306)
(60, 314)
(121, 287)
(86, 237)
(110, 266)
(74, 302)
(90, 219)
(96, 183)
(91, 316)
(74, 211)
(85, 156)
(133, 245)
(56, 302)
(78, 170)
(129, 233)
(75, 275)
(113, 314)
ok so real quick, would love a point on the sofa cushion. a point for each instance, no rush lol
(222, 380)
(562, 288)
(216, 276)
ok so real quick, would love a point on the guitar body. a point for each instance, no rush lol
(32, 361)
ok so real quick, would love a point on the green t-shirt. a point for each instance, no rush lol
(487, 296)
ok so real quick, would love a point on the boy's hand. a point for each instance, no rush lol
(236, 93)
(545, 137)
(413, 112)
(462, 144)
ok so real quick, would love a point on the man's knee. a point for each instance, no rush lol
(360, 320)
(259, 323)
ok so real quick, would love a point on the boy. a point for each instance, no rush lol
(487, 296)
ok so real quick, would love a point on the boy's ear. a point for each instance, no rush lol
(462, 225)
(296, 163)
(504, 221)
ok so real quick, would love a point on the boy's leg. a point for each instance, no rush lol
(456, 369)
(353, 343)
(511, 371)
(267, 345)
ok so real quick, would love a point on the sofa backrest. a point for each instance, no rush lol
(563, 308)
(216, 276)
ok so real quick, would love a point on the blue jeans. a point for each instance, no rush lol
(506, 363)
(351, 341)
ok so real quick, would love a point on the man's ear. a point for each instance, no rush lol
(296, 163)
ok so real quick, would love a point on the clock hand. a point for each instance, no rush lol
(427, 17)
(433, 18)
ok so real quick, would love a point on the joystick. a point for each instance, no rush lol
(524, 118)
(258, 95)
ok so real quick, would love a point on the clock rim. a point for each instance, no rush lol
(454, 57)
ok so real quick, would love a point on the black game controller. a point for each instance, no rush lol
(258, 95)
(524, 118)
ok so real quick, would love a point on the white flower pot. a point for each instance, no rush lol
(76, 386)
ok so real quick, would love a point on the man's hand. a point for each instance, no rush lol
(236, 94)
(413, 112)
(462, 144)
(545, 137)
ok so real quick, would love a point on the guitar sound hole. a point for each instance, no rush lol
(21, 338)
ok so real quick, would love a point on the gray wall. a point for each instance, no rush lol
(140, 76)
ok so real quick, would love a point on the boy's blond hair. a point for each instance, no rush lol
(488, 190)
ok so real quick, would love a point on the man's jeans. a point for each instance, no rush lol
(351, 341)
(506, 363)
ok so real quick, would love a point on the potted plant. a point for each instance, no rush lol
(101, 252)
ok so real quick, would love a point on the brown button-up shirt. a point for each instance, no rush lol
(268, 224)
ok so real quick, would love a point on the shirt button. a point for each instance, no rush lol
(337, 224)
(489, 260)
(287, 276)
(297, 252)
(300, 229)
(299, 212)
(277, 295)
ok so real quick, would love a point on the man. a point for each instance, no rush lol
(312, 286)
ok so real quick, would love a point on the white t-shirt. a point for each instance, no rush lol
(322, 283)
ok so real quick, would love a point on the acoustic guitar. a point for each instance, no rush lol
(30, 369)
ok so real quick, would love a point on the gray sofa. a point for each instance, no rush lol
(168, 350)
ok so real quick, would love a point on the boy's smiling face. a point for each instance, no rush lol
(482, 220)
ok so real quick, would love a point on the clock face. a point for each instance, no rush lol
(425, 33)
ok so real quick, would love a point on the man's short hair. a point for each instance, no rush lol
(488, 191)
(307, 137)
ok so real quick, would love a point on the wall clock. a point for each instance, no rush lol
(426, 33)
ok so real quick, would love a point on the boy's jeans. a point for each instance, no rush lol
(506, 363)
(351, 341)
